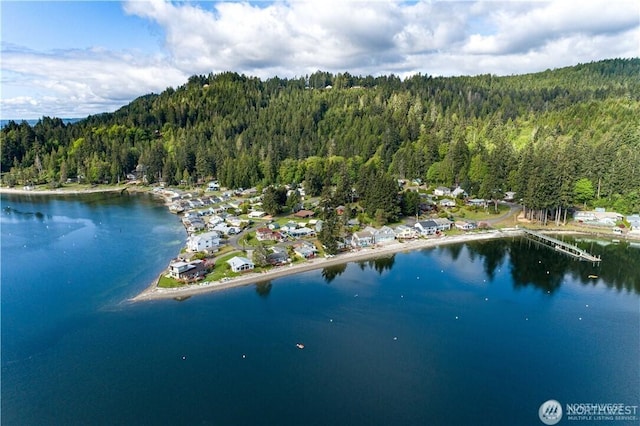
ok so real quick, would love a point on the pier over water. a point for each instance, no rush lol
(561, 246)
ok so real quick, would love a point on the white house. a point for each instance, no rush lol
(187, 270)
(634, 222)
(404, 232)
(441, 191)
(240, 264)
(446, 202)
(213, 186)
(362, 239)
(426, 227)
(256, 214)
(459, 192)
(384, 235)
(465, 226)
(206, 241)
(443, 223)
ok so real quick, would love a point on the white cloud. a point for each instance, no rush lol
(293, 38)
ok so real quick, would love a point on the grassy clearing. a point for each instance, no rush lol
(481, 214)
(168, 282)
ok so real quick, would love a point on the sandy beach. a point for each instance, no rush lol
(155, 293)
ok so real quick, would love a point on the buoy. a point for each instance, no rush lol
(243, 356)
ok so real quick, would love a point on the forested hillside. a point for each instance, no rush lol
(557, 138)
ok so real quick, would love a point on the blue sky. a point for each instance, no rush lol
(75, 58)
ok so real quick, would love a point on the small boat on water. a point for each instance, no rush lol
(593, 276)
(299, 346)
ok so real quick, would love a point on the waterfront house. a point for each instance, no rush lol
(443, 223)
(278, 258)
(404, 232)
(362, 239)
(426, 227)
(598, 217)
(206, 241)
(384, 235)
(305, 249)
(465, 226)
(187, 270)
(240, 264)
(634, 222)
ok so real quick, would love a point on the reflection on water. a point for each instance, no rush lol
(263, 288)
(534, 265)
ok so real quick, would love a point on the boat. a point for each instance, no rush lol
(593, 276)
(299, 346)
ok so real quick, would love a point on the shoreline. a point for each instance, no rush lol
(153, 292)
(69, 191)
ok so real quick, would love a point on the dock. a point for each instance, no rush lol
(561, 246)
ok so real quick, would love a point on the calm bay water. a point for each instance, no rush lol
(472, 334)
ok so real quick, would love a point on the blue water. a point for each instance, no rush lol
(467, 334)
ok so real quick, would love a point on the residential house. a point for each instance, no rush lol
(464, 225)
(187, 270)
(634, 222)
(278, 258)
(213, 186)
(340, 210)
(301, 232)
(404, 232)
(598, 217)
(443, 223)
(205, 241)
(459, 192)
(384, 235)
(303, 214)
(266, 234)
(426, 227)
(256, 214)
(235, 221)
(362, 239)
(509, 196)
(442, 191)
(447, 202)
(477, 202)
(240, 264)
(305, 250)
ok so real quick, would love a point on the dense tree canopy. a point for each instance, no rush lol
(538, 134)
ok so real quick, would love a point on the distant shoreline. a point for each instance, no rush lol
(69, 191)
(153, 292)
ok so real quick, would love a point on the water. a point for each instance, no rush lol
(467, 334)
(33, 121)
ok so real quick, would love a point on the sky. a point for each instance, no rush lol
(70, 59)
